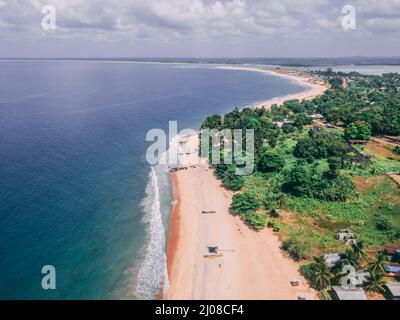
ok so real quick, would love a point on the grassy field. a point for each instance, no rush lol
(373, 213)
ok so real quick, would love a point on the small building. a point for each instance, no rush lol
(316, 116)
(315, 130)
(362, 278)
(392, 251)
(393, 270)
(393, 289)
(357, 141)
(287, 121)
(279, 124)
(347, 236)
(349, 294)
(332, 259)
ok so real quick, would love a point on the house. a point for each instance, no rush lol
(357, 141)
(393, 270)
(332, 259)
(287, 121)
(279, 124)
(393, 289)
(347, 236)
(392, 251)
(316, 116)
(362, 277)
(349, 294)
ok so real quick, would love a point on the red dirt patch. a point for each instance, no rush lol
(396, 178)
(364, 184)
(375, 296)
(381, 150)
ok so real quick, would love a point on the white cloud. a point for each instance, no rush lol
(191, 21)
(383, 25)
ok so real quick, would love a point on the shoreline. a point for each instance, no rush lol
(174, 227)
(190, 274)
(314, 87)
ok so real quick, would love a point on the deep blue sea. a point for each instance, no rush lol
(75, 189)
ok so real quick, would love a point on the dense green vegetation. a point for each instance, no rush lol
(359, 130)
(246, 205)
(372, 99)
(314, 171)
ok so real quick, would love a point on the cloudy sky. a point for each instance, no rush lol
(199, 28)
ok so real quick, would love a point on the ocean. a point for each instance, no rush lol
(76, 191)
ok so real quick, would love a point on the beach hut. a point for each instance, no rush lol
(213, 252)
(349, 294)
(393, 289)
(332, 259)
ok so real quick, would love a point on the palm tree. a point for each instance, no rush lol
(377, 266)
(376, 283)
(359, 251)
(322, 275)
(319, 261)
(349, 258)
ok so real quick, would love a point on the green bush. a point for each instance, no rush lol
(220, 170)
(305, 181)
(232, 181)
(297, 249)
(397, 150)
(257, 221)
(271, 161)
(288, 129)
(212, 122)
(272, 225)
(319, 146)
(307, 271)
(383, 223)
(358, 130)
(338, 189)
(244, 203)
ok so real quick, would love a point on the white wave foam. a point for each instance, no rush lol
(153, 272)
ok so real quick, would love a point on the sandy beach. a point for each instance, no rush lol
(314, 88)
(252, 265)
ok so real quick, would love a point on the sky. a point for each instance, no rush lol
(199, 28)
